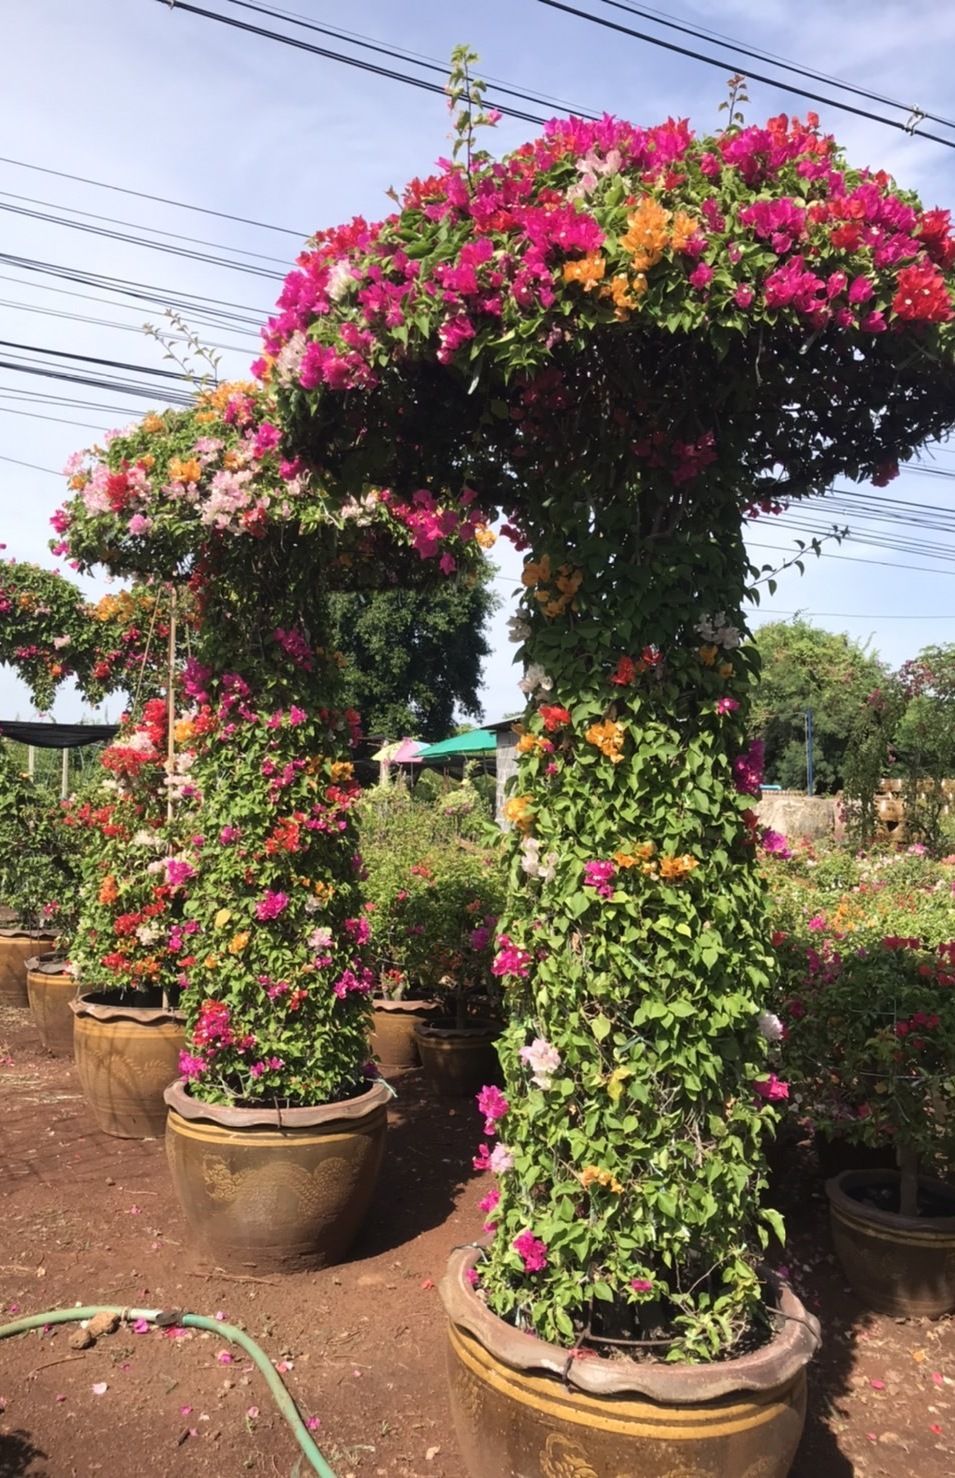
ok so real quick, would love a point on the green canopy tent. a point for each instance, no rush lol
(459, 746)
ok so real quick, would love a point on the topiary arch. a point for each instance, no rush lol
(622, 339)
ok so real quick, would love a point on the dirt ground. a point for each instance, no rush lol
(89, 1219)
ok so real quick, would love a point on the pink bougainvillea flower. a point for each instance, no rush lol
(531, 1251)
(493, 1105)
(225, 1358)
(726, 705)
(771, 1088)
(641, 1285)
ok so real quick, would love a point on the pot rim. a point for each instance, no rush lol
(13, 931)
(470, 1032)
(376, 1096)
(81, 1005)
(51, 962)
(841, 1201)
(676, 1385)
(407, 1005)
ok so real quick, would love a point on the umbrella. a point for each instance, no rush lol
(476, 741)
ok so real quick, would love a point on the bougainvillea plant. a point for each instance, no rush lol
(622, 339)
(49, 633)
(870, 1037)
(270, 932)
(37, 873)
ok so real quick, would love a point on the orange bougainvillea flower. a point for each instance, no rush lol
(594, 1175)
(108, 891)
(708, 654)
(238, 942)
(676, 868)
(341, 770)
(608, 738)
(536, 571)
(588, 271)
(486, 537)
(185, 469)
(682, 231)
(152, 423)
(518, 812)
(646, 234)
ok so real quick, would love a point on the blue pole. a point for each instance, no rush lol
(810, 775)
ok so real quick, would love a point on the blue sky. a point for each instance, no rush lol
(131, 93)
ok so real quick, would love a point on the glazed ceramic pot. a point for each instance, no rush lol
(16, 947)
(458, 1060)
(275, 1189)
(521, 1406)
(392, 1035)
(51, 987)
(126, 1056)
(901, 1265)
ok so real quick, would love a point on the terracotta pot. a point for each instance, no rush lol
(521, 1406)
(269, 1189)
(51, 986)
(902, 1265)
(126, 1056)
(835, 1155)
(16, 947)
(392, 1034)
(457, 1061)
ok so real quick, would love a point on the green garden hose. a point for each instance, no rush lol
(167, 1317)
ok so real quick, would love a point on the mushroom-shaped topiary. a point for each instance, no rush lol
(622, 339)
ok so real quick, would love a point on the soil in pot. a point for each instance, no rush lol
(16, 947)
(521, 1406)
(126, 1047)
(901, 1265)
(276, 1189)
(50, 987)
(458, 1060)
(392, 1041)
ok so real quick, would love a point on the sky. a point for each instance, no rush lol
(139, 94)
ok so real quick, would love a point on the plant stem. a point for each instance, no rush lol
(908, 1163)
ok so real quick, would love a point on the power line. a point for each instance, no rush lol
(34, 416)
(141, 369)
(728, 64)
(886, 564)
(129, 328)
(35, 465)
(661, 18)
(852, 615)
(144, 392)
(65, 292)
(142, 292)
(429, 64)
(186, 253)
(339, 56)
(137, 226)
(205, 210)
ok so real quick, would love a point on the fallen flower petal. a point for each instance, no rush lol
(313, 1423)
(100, 1388)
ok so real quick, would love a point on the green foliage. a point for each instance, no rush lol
(803, 667)
(925, 741)
(37, 861)
(414, 658)
(434, 882)
(866, 952)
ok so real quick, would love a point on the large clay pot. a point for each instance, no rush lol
(521, 1406)
(392, 1035)
(901, 1265)
(16, 947)
(275, 1189)
(51, 987)
(126, 1057)
(457, 1061)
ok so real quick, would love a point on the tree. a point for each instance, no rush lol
(925, 741)
(803, 667)
(415, 657)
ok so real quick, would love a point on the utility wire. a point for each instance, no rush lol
(339, 56)
(18, 305)
(34, 465)
(138, 226)
(195, 315)
(186, 253)
(140, 291)
(34, 416)
(221, 215)
(141, 369)
(661, 18)
(429, 64)
(728, 64)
